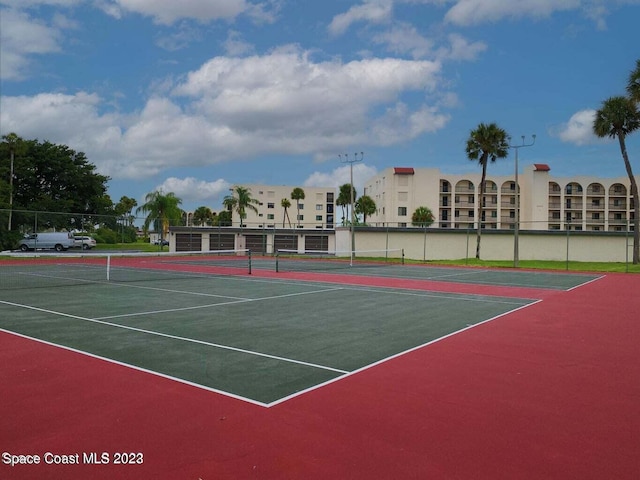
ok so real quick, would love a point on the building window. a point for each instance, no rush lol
(402, 211)
(301, 206)
(330, 197)
(270, 216)
(318, 218)
(271, 205)
(300, 217)
(319, 206)
(595, 216)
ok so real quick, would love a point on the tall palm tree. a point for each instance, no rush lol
(344, 198)
(633, 87)
(366, 206)
(241, 200)
(618, 117)
(297, 194)
(285, 203)
(486, 143)
(161, 208)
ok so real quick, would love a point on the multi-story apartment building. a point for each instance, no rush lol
(316, 210)
(546, 202)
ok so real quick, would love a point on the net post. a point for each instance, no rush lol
(277, 256)
(249, 254)
(402, 257)
(108, 267)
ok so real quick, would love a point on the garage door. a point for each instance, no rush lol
(188, 242)
(222, 241)
(288, 242)
(256, 243)
(318, 243)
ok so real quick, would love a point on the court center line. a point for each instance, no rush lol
(233, 302)
(131, 285)
(176, 337)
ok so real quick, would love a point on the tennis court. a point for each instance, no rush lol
(261, 340)
(368, 370)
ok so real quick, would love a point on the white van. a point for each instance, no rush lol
(58, 241)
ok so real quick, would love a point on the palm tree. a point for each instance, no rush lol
(344, 198)
(618, 117)
(161, 208)
(366, 206)
(285, 203)
(297, 194)
(422, 217)
(486, 143)
(203, 216)
(241, 200)
(633, 88)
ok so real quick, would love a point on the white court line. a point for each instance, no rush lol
(233, 302)
(131, 285)
(384, 360)
(175, 337)
(140, 369)
(463, 297)
(587, 282)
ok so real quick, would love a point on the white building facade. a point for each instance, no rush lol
(546, 202)
(316, 210)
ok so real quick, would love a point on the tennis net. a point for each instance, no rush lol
(309, 260)
(41, 270)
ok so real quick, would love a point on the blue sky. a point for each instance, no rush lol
(194, 96)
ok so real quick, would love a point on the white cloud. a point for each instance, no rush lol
(473, 12)
(235, 46)
(579, 128)
(372, 11)
(21, 37)
(404, 38)
(191, 189)
(282, 103)
(341, 175)
(461, 49)
(169, 11)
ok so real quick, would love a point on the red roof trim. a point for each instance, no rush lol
(403, 171)
(541, 167)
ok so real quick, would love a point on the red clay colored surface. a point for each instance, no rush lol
(547, 392)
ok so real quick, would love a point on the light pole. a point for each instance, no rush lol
(516, 239)
(351, 162)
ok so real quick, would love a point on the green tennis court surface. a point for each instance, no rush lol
(387, 268)
(261, 340)
(201, 319)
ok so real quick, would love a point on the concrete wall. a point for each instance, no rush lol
(448, 244)
(440, 244)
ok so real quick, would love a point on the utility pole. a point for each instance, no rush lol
(516, 239)
(351, 162)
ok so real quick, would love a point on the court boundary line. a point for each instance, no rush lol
(136, 367)
(462, 271)
(176, 337)
(396, 355)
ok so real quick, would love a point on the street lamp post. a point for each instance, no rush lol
(351, 162)
(516, 239)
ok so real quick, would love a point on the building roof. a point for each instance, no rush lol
(541, 167)
(403, 171)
